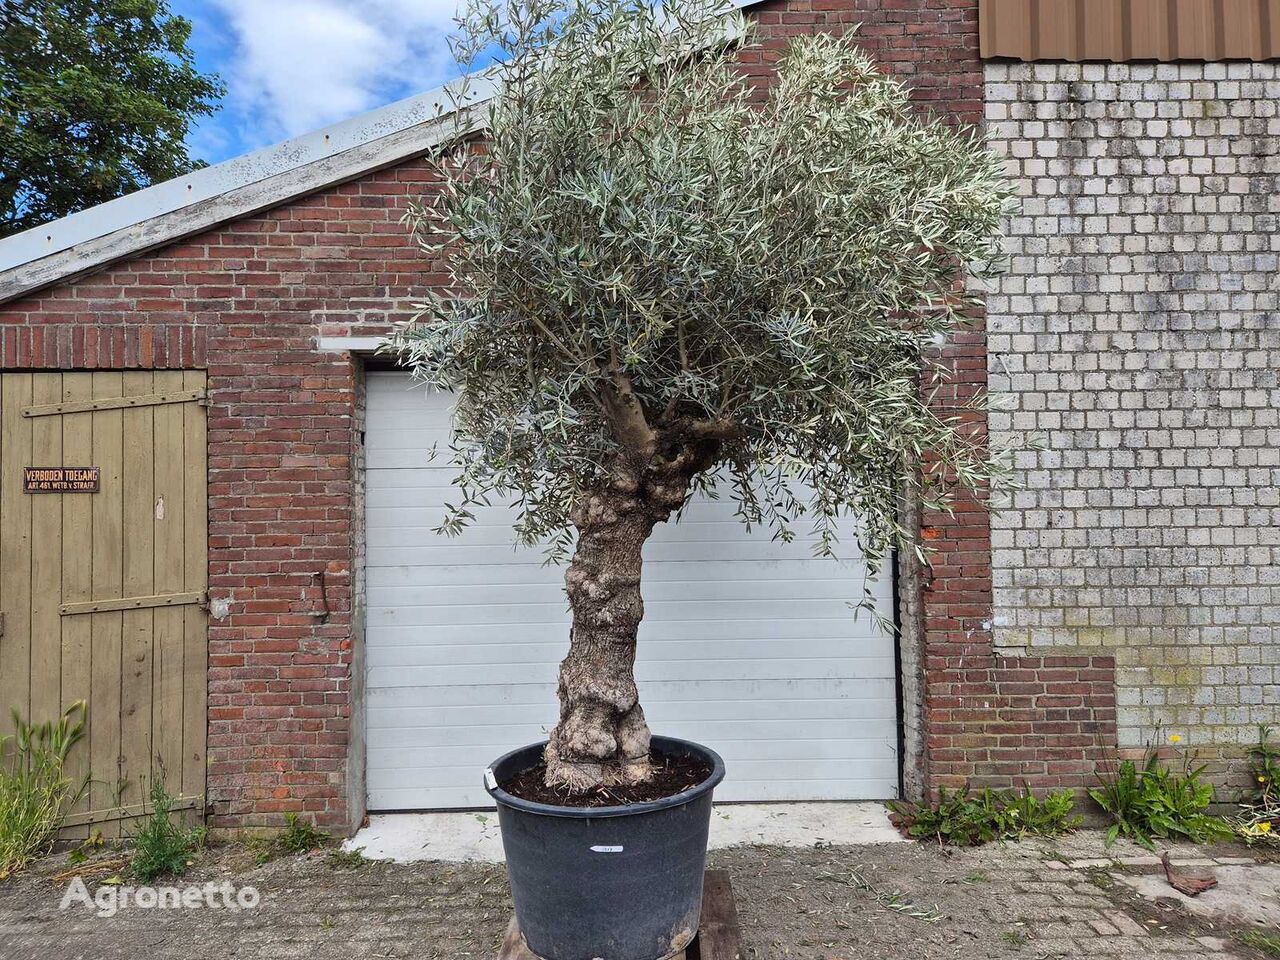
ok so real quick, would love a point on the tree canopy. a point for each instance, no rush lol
(649, 252)
(96, 98)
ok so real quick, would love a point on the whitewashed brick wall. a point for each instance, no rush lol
(1136, 340)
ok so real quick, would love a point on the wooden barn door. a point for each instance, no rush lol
(103, 566)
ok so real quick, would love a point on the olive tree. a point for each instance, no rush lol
(663, 278)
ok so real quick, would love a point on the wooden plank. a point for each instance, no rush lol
(15, 549)
(195, 512)
(719, 932)
(113, 403)
(138, 581)
(169, 576)
(514, 948)
(156, 601)
(131, 811)
(513, 945)
(46, 562)
(77, 571)
(108, 581)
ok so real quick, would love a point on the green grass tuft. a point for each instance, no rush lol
(1150, 801)
(1266, 941)
(962, 819)
(162, 848)
(300, 836)
(35, 790)
(347, 859)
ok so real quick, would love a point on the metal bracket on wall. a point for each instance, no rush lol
(114, 403)
(321, 615)
(135, 603)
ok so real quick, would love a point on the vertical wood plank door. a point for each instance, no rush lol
(102, 593)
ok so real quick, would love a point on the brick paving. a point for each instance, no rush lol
(887, 902)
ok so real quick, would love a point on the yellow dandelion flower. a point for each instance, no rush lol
(1264, 826)
(1175, 738)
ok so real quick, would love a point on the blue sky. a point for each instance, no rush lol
(292, 66)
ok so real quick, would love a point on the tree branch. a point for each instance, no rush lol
(721, 429)
(626, 415)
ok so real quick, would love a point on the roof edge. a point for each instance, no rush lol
(166, 212)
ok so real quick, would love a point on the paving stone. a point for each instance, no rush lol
(1004, 902)
(1125, 924)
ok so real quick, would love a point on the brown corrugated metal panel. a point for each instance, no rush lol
(1115, 30)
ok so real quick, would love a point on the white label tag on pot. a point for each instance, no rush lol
(604, 849)
(490, 780)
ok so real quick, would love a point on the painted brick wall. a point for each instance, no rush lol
(249, 300)
(1137, 341)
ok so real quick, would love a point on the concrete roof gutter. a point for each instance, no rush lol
(187, 205)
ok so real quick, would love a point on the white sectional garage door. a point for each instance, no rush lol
(747, 645)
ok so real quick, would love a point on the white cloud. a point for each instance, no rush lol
(302, 64)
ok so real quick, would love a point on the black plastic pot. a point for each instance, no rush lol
(606, 883)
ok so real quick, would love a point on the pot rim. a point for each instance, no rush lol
(502, 798)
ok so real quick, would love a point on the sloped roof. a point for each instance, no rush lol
(186, 205)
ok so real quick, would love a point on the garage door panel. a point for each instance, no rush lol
(419, 527)
(778, 755)
(760, 739)
(875, 781)
(748, 644)
(750, 765)
(691, 574)
(421, 521)
(681, 698)
(880, 779)
(420, 655)
(691, 610)
(410, 458)
(659, 591)
(428, 485)
(723, 669)
(651, 632)
(431, 549)
(717, 520)
(531, 707)
(814, 783)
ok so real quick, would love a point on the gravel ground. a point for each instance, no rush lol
(889, 902)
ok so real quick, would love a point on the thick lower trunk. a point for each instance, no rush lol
(602, 737)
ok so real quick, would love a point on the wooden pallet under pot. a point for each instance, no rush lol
(719, 937)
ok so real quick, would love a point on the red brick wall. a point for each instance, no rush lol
(248, 301)
(990, 719)
(932, 44)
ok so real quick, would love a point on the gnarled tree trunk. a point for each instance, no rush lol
(602, 737)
